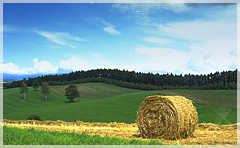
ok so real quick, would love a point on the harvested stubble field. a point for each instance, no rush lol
(204, 134)
(94, 90)
(218, 98)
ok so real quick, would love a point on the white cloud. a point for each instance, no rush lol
(72, 46)
(196, 61)
(43, 66)
(52, 37)
(61, 38)
(11, 68)
(164, 59)
(74, 64)
(211, 45)
(175, 7)
(108, 27)
(46, 67)
(106, 23)
(156, 40)
(78, 39)
(8, 28)
(39, 67)
(155, 51)
(200, 30)
(111, 30)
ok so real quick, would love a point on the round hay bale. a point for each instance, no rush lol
(168, 117)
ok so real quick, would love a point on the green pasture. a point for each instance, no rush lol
(219, 98)
(100, 102)
(17, 136)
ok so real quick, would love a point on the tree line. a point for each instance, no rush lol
(139, 80)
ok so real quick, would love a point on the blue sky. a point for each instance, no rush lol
(182, 38)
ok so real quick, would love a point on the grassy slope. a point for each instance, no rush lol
(218, 98)
(112, 104)
(212, 105)
(95, 90)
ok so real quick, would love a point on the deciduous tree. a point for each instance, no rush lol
(45, 89)
(35, 84)
(23, 89)
(72, 92)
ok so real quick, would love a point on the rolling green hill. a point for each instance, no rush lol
(100, 102)
(218, 98)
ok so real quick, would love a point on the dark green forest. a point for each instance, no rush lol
(139, 80)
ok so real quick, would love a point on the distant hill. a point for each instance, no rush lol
(8, 80)
(18, 77)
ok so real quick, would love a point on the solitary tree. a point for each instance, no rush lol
(35, 84)
(71, 92)
(23, 89)
(45, 89)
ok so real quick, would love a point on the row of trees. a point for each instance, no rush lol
(45, 88)
(71, 91)
(217, 80)
(142, 86)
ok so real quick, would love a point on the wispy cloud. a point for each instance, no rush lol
(106, 23)
(111, 30)
(141, 17)
(223, 4)
(109, 27)
(61, 38)
(210, 44)
(156, 40)
(8, 28)
(175, 7)
(200, 30)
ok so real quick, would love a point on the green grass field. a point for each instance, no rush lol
(17, 136)
(219, 98)
(100, 102)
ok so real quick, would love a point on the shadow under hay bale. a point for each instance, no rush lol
(168, 117)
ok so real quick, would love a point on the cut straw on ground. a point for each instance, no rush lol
(204, 134)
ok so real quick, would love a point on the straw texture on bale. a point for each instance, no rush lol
(167, 117)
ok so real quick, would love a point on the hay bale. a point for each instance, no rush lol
(168, 117)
